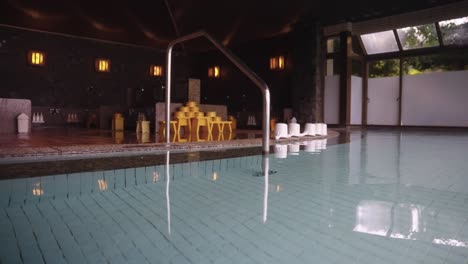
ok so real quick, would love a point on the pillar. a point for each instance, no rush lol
(307, 83)
(345, 78)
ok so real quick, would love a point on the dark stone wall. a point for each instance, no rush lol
(234, 89)
(69, 79)
(298, 86)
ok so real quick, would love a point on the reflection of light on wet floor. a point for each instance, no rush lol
(381, 219)
(450, 242)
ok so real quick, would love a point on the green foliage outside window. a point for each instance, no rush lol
(384, 68)
(456, 61)
(422, 36)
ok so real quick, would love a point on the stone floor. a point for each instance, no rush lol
(60, 143)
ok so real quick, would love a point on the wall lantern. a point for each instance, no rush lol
(277, 63)
(213, 72)
(36, 58)
(102, 65)
(156, 70)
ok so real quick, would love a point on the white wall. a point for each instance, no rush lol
(435, 99)
(356, 100)
(383, 94)
(332, 99)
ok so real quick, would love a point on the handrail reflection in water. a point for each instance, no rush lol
(266, 171)
(168, 201)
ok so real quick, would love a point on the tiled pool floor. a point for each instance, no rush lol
(388, 198)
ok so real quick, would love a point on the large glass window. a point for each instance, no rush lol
(357, 48)
(455, 31)
(384, 68)
(333, 44)
(332, 67)
(436, 63)
(356, 68)
(380, 42)
(416, 37)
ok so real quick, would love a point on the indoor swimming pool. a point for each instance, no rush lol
(385, 197)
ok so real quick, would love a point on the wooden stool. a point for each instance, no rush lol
(145, 126)
(198, 122)
(219, 124)
(162, 128)
(229, 125)
(183, 122)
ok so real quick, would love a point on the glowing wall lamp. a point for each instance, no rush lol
(36, 58)
(213, 72)
(102, 65)
(277, 63)
(156, 70)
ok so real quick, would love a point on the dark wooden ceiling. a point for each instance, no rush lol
(154, 23)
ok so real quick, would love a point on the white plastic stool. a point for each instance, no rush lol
(294, 130)
(309, 130)
(281, 151)
(318, 129)
(294, 149)
(23, 123)
(281, 131)
(323, 129)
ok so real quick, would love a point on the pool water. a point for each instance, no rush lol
(385, 197)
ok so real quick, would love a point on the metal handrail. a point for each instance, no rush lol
(242, 67)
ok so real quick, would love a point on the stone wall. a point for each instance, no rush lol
(194, 90)
(9, 110)
(69, 78)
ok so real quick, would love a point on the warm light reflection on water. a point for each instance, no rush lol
(102, 185)
(37, 190)
(155, 176)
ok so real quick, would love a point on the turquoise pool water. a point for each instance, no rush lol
(387, 197)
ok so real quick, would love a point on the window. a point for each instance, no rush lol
(384, 68)
(277, 63)
(102, 65)
(332, 67)
(156, 70)
(454, 31)
(36, 58)
(416, 37)
(380, 42)
(356, 68)
(213, 72)
(333, 44)
(436, 63)
(356, 46)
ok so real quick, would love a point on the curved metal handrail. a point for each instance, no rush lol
(242, 67)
